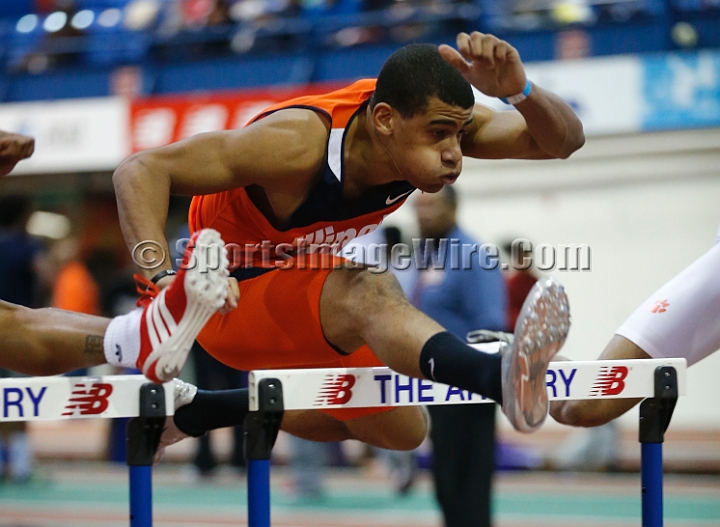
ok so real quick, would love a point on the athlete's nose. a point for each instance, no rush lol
(452, 155)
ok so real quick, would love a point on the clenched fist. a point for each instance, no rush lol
(14, 148)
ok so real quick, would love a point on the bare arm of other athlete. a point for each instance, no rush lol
(14, 148)
(544, 126)
(600, 411)
(281, 151)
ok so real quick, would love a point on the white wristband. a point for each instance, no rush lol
(514, 99)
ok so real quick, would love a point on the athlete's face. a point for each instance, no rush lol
(426, 146)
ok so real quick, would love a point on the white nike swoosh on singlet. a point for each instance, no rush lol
(431, 362)
(390, 201)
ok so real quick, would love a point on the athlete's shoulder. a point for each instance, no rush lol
(337, 106)
(297, 138)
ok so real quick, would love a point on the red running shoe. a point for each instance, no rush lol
(174, 317)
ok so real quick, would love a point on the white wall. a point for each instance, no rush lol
(648, 205)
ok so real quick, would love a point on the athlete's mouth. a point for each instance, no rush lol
(449, 179)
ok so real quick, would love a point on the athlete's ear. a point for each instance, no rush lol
(383, 116)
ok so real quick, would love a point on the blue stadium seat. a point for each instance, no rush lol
(22, 43)
(64, 84)
(351, 64)
(235, 72)
(115, 44)
(101, 4)
(15, 8)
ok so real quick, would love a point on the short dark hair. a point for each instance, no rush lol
(393, 235)
(13, 209)
(415, 73)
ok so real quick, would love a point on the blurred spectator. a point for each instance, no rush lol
(19, 261)
(308, 464)
(520, 277)
(462, 298)
(211, 374)
(75, 288)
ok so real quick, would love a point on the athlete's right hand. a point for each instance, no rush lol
(14, 148)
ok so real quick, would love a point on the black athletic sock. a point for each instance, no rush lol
(447, 359)
(210, 410)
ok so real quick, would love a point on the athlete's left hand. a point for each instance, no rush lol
(233, 296)
(491, 65)
(14, 148)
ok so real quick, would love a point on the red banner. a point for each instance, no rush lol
(158, 121)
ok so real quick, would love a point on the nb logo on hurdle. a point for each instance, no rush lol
(335, 389)
(89, 399)
(610, 381)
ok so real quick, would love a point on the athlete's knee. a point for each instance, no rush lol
(575, 413)
(10, 316)
(370, 292)
(414, 434)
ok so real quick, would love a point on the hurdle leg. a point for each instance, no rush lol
(655, 415)
(261, 430)
(143, 437)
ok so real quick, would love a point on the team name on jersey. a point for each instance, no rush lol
(327, 240)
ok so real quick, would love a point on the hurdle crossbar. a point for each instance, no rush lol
(55, 398)
(373, 387)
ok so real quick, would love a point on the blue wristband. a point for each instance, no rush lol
(514, 99)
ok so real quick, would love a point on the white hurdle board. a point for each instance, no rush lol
(56, 397)
(373, 387)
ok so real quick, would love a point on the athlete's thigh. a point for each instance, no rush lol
(402, 428)
(276, 324)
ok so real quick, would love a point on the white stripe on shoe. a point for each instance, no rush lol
(206, 289)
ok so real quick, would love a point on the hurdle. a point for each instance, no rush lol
(658, 381)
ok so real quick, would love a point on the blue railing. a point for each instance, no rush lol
(76, 54)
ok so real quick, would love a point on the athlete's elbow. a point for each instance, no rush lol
(134, 173)
(126, 170)
(575, 139)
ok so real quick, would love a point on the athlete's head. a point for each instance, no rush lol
(14, 210)
(416, 73)
(436, 213)
(420, 109)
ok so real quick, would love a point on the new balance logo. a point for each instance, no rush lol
(89, 400)
(336, 389)
(610, 381)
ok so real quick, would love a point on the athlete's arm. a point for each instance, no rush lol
(600, 411)
(280, 151)
(543, 127)
(13, 149)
